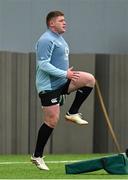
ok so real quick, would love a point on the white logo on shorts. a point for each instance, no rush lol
(54, 100)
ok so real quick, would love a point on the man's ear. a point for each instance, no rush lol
(51, 23)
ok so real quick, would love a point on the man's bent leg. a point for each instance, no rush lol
(84, 86)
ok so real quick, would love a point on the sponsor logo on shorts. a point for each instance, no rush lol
(54, 100)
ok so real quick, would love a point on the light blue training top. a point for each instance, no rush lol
(52, 61)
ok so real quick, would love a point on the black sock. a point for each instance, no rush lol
(43, 136)
(80, 97)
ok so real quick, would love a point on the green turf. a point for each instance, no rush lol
(57, 170)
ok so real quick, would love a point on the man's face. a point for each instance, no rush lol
(58, 24)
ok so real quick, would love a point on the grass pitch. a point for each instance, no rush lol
(20, 167)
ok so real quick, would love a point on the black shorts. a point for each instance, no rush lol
(52, 97)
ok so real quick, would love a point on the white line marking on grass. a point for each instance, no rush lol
(49, 162)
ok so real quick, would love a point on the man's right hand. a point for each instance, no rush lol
(73, 75)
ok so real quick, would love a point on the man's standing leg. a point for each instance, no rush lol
(51, 116)
(43, 135)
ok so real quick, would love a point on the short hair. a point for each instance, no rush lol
(51, 15)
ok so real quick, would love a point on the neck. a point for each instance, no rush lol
(54, 31)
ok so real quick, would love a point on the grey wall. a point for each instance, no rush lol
(112, 74)
(14, 97)
(94, 26)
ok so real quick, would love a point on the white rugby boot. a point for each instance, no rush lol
(76, 118)
(39, 162)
